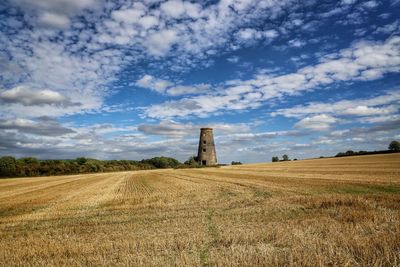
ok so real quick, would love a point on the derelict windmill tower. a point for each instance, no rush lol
(206, 155)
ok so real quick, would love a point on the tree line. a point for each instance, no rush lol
(285, 157)
(30, 166)
(394, 146)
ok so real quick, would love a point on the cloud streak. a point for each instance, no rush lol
(363, 61)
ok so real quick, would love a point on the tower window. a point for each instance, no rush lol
(204, 150)
(204, 141)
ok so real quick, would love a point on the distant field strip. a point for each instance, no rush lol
(324, 212)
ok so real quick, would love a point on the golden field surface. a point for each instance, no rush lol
(324, 212)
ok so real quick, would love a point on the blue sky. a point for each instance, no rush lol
(138, 79)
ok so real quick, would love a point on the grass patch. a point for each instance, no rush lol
(262, 193)
(226, 193)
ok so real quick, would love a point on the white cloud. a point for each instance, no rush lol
(159, 43)
(148, 22)
(172, 128)
(370, 4)
(129, 16)
(368, 111)
(173, 8)
(381, 118)
(271, 34)
(380, 109)
(297, 43)
(170, 88)
(149, 82)
(233, 59)
(321, 122)
(193, 10)
(29, 97)
(54, 20)
(59, 6)
(384, 104)
(391, 28)
(42, 126)
(187, 90)
(249, 34)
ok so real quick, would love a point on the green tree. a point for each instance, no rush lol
(81, 160)
(7, 166)
(192, 161)
(394, 146)
(285, 157)
(163, 162)
(275, 159)
(29, 160)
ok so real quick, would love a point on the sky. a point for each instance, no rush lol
(138, 79)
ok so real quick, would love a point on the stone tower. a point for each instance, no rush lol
(206, 155)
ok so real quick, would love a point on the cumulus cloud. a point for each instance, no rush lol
(129, 16)
(159, 43)
(29, 97)
(249, 35)
(54, 20)
(42, 126)
(149, 82)
(68, 6)
(318, 122)
(54, 13)
(173, 8)
(187, 90)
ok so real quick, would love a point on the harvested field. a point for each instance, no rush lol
(325, 212)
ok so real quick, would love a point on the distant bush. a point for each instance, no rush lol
(275, 159)
(81, 160)
(236, 163)
(192, 161)
(7, 166)
(285, 158)
(162, 162)
(394, 146)
(362, 152)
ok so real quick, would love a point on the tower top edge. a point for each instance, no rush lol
(206, 129)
